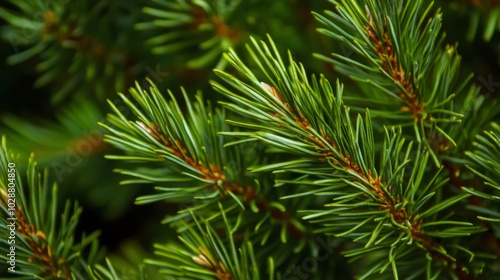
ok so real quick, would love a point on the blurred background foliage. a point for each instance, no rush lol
(62, 59)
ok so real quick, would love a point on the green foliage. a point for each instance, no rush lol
(383, 209)
(487, 155)
(206, 25)
(45, 243)
(386, 168)
(203, 170)
(398, 52)
(214, 257)
(201, 31)
(485, 162)
(70, 52)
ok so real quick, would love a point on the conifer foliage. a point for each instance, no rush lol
(386, 168)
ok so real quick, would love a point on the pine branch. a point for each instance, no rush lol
(71, 53)
(485, 162)
(215, 257)
(314, 124)
(41, 245)
(192, 23)
(399, 54)
(195, 163)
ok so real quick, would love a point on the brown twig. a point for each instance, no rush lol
(390, 64)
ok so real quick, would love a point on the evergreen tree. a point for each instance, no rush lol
(362, 149)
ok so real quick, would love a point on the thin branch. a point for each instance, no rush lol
(215, 173)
